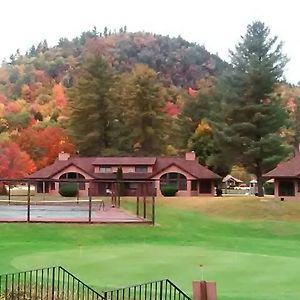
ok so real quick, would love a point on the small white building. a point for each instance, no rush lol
(231, 182)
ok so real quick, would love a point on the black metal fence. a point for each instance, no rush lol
(53, 283)
(34, 200)
(56, 283)
(155, 290)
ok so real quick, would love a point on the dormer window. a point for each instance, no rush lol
(105, 169)
(141, 169)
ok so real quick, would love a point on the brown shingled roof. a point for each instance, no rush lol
(190, 166)
(290, 168)
(159, 164)
(83, 163)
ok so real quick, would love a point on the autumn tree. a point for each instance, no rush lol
(59, 96)
(14, 163)
(194, 111)
(198, 121)
(253, 116)
(143, 106)
(90, 108)
(44, 144)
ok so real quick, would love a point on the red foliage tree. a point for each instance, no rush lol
(44, 145)
(13, 107)
(192, 92)
(14, 163)
(172, 109)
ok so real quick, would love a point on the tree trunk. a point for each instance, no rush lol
(259, 178)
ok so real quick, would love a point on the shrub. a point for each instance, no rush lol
(68, 190)
(169, 190)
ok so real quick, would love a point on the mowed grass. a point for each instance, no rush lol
(251, 248)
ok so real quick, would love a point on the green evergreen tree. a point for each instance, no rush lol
(197, 122)
(296, 123)
(143, 105)
(90, 108)
(254, 116)
(119, 178)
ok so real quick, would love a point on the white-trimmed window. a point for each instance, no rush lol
(141, 169)
(176, 179)
(73, 176)
(105, 169)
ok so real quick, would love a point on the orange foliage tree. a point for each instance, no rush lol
(43, 145)
(14, 163)
(59, 96)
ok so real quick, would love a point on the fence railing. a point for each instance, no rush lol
(21, 201)
(53, 283)
(56, 283)
(154, 290)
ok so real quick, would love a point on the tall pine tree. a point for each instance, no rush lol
(143, 111)
(253, 115)
(91, 108)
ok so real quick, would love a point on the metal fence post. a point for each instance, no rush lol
(90, 203)
(9, 193)
(138, 206)
(145, 206)
(161, 291)
(153, 210)
(28, 201)
(53, 282)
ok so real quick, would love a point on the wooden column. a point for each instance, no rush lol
(276, 188)
(189, 187)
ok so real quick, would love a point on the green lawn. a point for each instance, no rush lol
(251, 248)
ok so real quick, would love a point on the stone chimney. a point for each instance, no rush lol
(190, 155)
(63, 156)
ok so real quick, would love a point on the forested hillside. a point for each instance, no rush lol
(34, 87)
(115, 93)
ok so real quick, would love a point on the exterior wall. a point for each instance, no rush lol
(188, 176)
(194, 193)
(175, 169)
(82, 193)
(276, 189)
(125, 169)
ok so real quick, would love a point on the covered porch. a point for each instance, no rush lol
(287, 188)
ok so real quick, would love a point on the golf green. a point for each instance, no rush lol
(249, 258)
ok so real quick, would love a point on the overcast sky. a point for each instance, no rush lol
(216, 24)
